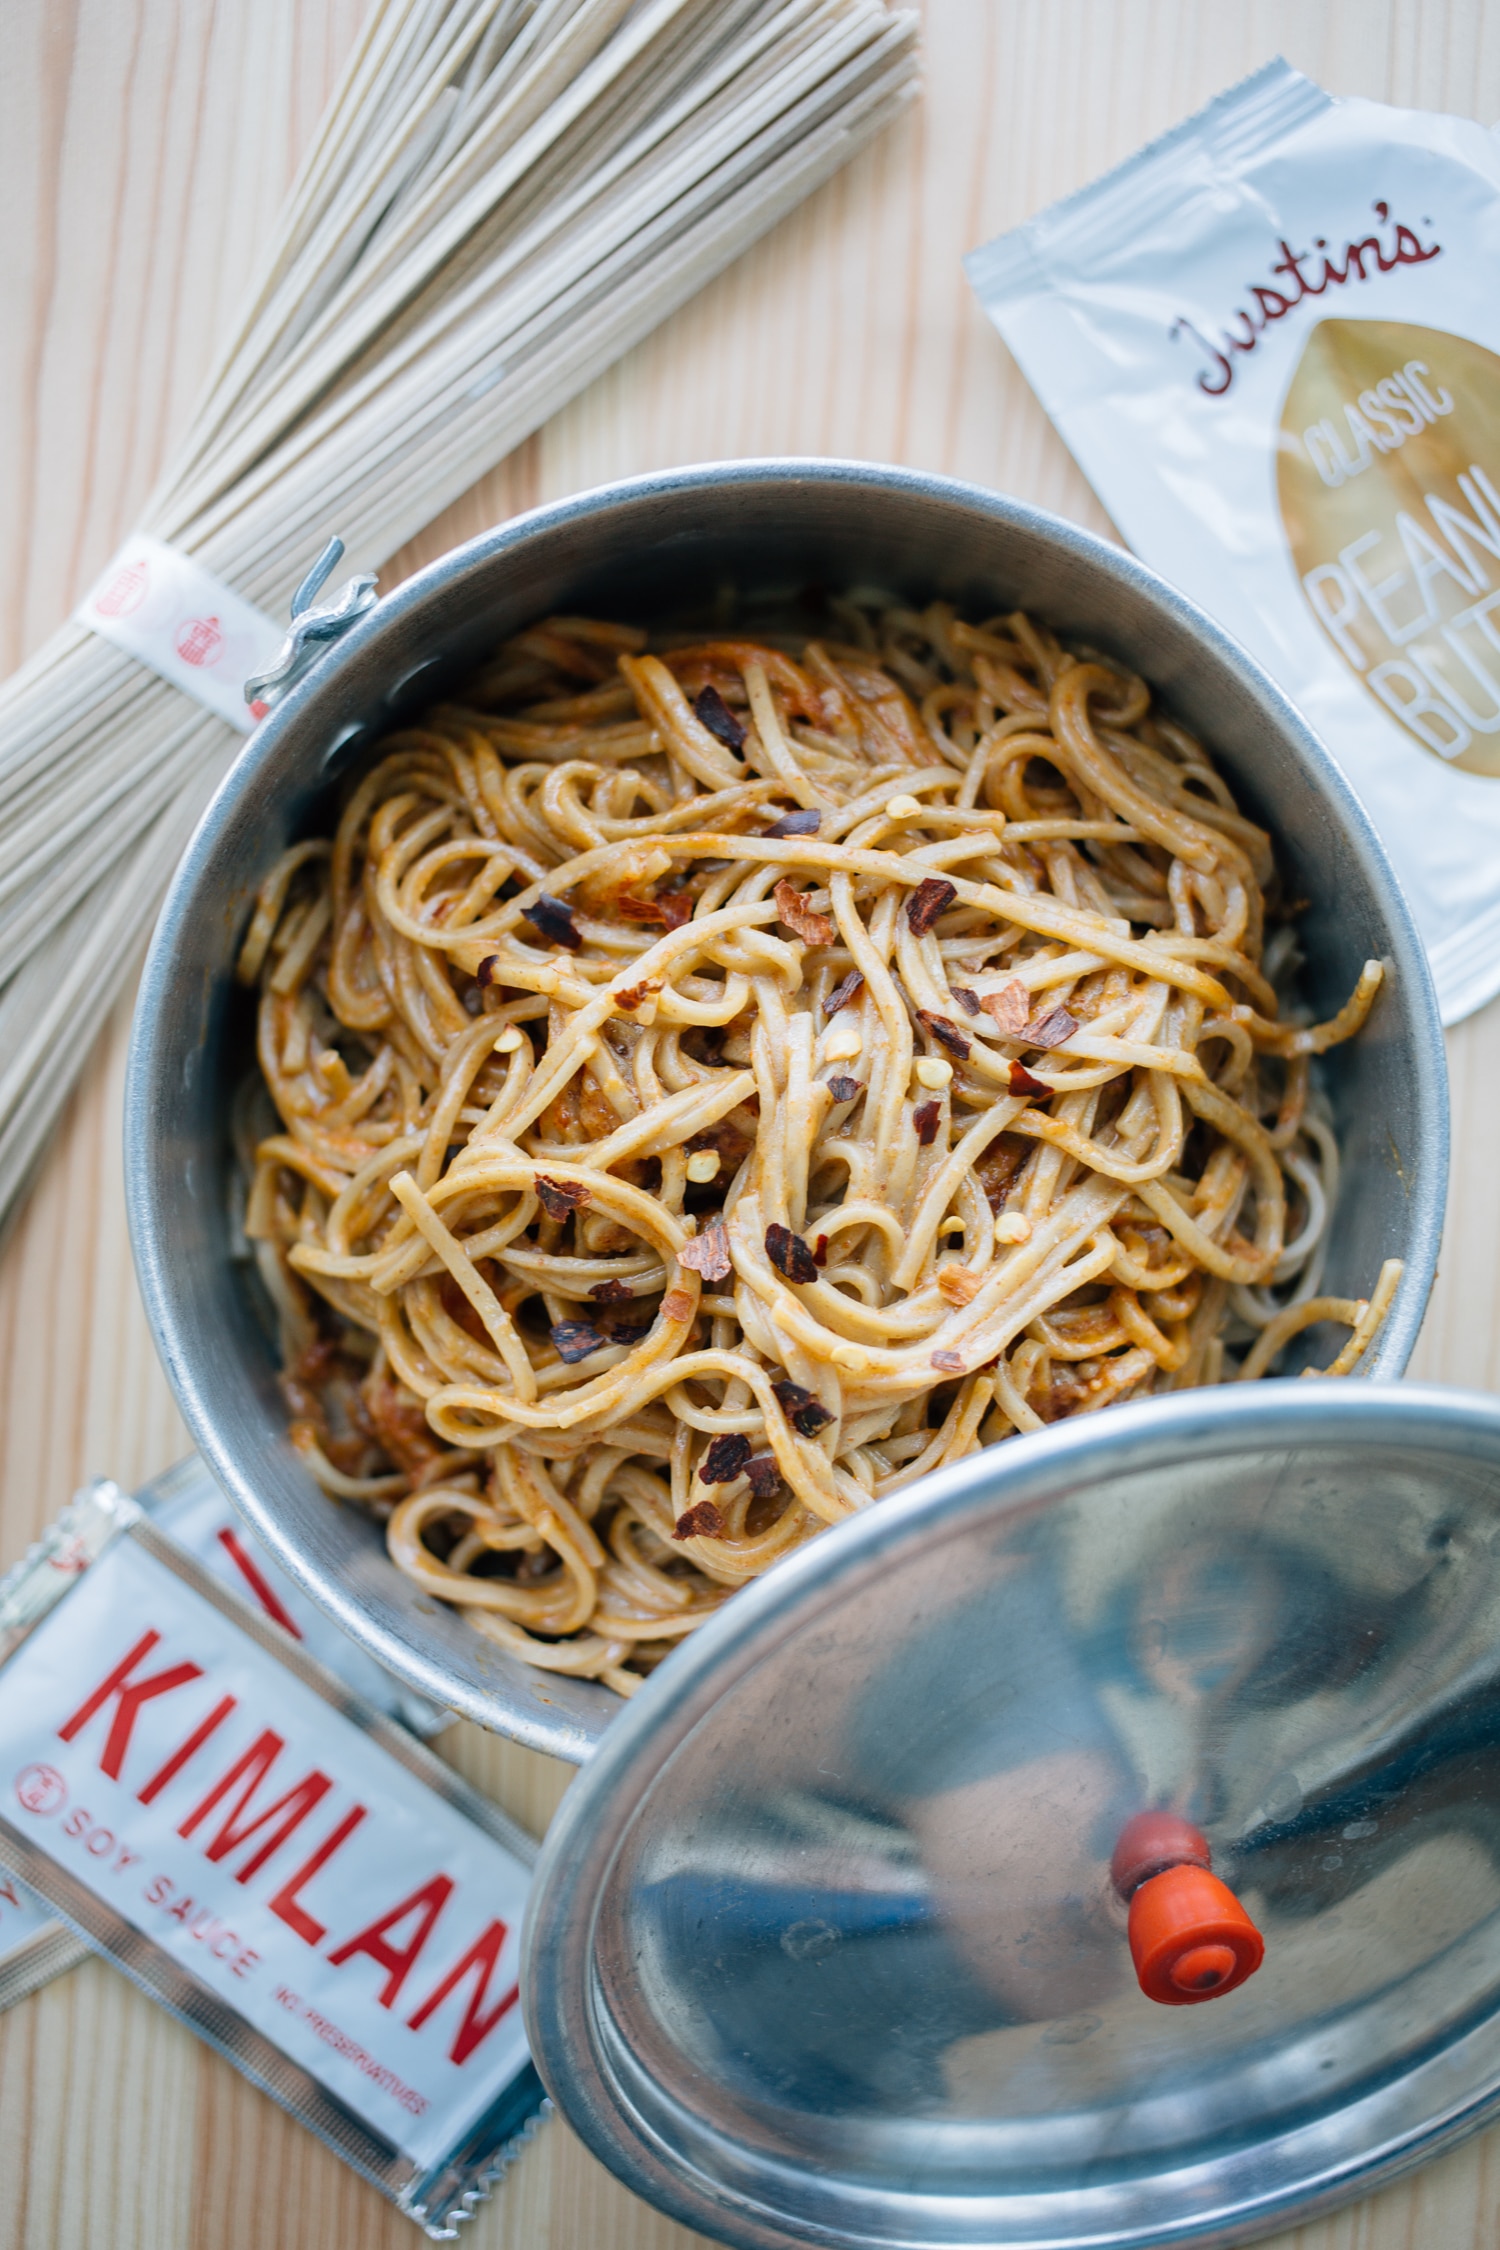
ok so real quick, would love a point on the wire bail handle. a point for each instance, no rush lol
(313, 630)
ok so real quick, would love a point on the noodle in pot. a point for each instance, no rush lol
(717, 1086)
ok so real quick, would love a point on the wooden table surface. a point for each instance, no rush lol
(144, 146)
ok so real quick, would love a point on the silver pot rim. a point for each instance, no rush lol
(152, 1064)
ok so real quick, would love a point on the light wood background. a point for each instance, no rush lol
(144, 145)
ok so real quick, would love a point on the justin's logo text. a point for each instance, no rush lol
(1297, 275)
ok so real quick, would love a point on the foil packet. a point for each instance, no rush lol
(188, 1505)
(285, 1868)
(1272, 341)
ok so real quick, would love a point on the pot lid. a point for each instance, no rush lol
(825, 1946)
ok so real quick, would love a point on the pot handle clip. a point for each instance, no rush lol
(313, 630)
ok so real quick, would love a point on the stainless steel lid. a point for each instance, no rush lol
(824, 1947)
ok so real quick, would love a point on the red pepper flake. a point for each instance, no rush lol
(968, 1000)
(790, 1255)
(843, 993)
(677, 1305)
(947, 1363)
(711, 711)
(630, 996)
(575, 1339)
(927, 1117)
(725, 1459)
(708, 1253)
(931, 898)
(793, 910)
(670, 908)
(1010, 1007)
(806, 1414)
(946, 1032)
(553, 919)
(316, 1363)
(611, 1292)
(702, 1521)
(559, 1198)
(1054, 1029)
(796, 824)
(844, 1089)
(486, 970)
(820, 1251)
(1022, 1082)
(764, 1472)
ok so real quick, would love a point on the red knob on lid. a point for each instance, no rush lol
(1153, 1841)
(1190, 1938)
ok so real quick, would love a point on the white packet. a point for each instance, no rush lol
(1270, 340)
(185, 1502)
(284, 1868)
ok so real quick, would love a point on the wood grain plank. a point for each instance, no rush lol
(145, 147)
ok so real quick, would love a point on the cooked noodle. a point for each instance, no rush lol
(718, 1087)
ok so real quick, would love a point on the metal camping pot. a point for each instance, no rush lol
(729, 538)
(826, 1946)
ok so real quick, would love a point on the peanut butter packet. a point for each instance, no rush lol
(1272, 341)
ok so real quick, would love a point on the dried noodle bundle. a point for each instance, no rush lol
(717, 1087)
(502, 197)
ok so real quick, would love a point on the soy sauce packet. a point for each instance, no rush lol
(1272, 341)
(282, 1866)
(186, 1503)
